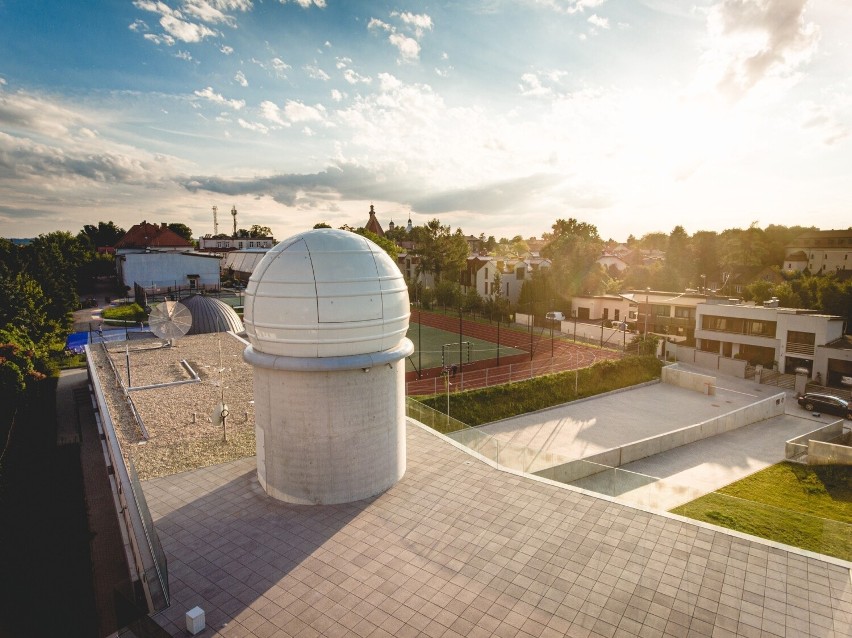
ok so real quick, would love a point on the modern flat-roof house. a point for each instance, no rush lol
(820, 251)
(669, 314)
(604, 307)
(767, 334)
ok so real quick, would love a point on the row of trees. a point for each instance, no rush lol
(573, 246)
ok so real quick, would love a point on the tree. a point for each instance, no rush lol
(20, 365)
(442, 252)
(321, 225)
(182, 230)
(104, 234)
(54, 261)
(385, 244)
(574, 248)
(260, 231)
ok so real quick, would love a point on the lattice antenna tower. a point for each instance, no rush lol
(215, 220)
(234, 215)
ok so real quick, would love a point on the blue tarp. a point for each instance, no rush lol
(77, 340)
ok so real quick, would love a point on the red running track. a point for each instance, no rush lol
(559, 356)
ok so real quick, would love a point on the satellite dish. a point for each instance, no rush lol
(170, 320)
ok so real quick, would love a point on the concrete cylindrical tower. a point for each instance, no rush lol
(326, 314)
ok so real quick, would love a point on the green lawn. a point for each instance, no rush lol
(803, 506)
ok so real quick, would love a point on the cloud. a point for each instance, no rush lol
(25, 159)
(569, 6)
(317, 73)
(494, 197)
(757, 40)
(226, 49)
(354, 77)
(216, 98)
(336, 95)
(596, 20)
(306, 4)
(271, 112)
(184, 55)
(295, 111)
(253, 126)
(408, 47)
(419, 21)
(240, 78)
(280, 67)
(189, 23)
(348, 181)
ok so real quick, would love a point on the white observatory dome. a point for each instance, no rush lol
(326, 293)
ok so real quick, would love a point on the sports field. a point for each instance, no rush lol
(431, 343)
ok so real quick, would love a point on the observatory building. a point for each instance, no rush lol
(211, 315)
(326, 314)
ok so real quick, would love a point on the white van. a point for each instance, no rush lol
(555, 316)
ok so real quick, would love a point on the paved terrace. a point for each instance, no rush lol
(458, 548)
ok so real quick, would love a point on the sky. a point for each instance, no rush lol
(493, 116)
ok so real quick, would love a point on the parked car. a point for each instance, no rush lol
(555, 316)
(818, 402)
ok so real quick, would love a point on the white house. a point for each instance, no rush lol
(154, 256)
(482, 271)
(820, 251)
(768, 334)
(604, 307)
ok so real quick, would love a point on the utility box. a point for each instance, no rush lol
(195, 622)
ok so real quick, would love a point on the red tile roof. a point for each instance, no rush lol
(147, 235)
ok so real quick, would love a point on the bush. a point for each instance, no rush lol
(126, 312)
(485, 405)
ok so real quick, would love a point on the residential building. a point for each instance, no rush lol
(820, 251)
(221, 244)
(668, 314)
(608, 260)
(770, 335)
(615, 308)
(481, 271)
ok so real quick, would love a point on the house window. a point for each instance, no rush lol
(486, 287)
(606, 313)
(617, 312)
(519, 273)
(241, 244)
(251, 244)
(486, 278)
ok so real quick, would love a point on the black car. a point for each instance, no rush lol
(817, 402)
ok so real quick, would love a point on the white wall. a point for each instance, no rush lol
(169, 269)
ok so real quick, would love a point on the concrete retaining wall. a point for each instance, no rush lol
(707, 359)
(733, 367)
(689, 380)
(823, 453)
(580, 468)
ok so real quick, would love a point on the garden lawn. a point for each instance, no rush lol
(803, 506)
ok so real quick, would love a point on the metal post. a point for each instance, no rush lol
(498, 340)
(574, 314)
(530, 323)
(127, 359)
(602, 326)
(460, 338)
(419, 343)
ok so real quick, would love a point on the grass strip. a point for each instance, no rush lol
(485, 405)
(803, 506)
